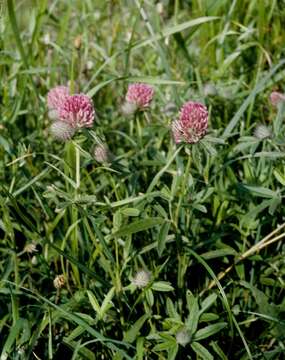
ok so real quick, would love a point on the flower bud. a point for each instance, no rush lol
(276, 98)
(262, 132)
(34, 260)
(62, 131)
(128, 108)
(210, 90)
(77, 42)
(102, 153)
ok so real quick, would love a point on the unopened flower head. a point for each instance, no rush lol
(102, 153)
(141, 278)
(140, 94)
(59, 281)
(89, 65)
(34, 260)
(183, 337)
(129, 108)
(57, 96)
(62, 131)
(210, 90)
(77, 41)
(192, 123)
(276, 98)
(169, 109)
(262, 132)
(159, 8)
(46, 39)
(78, 111)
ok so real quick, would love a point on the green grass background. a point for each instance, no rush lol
(185, 214)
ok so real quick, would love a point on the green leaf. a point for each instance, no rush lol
(201, 351)
(140, 348)
(193, 317)
(218, 350)
(166, 345)
(137, 226)
(175, 29)
(93, 301)
(162, 237)
(80, 350)
(218, 253)
(161, 286)
(130, 212)
(279, 176)
(209, 301)
(209, 331)
(133, 332)
(262, 300)
(261, 191)
(11, 339)
(207, 317)
(70, 181)
(172, 352)
(260, 86)
(171, 311)
(149, 297)
(106, 304)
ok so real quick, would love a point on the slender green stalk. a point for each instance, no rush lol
(72, 170)
(162, 171)
(19, 44)
(184, 189)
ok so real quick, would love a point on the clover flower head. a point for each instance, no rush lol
(192, 124)
(210, 90)
(276, 98)
(59, 281)
(141, 278)
(30, 248)
(140, 94)
(262, 132)
(78, 111)
(57, 96)
(61, 130)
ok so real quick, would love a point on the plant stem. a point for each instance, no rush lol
(260, 245)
